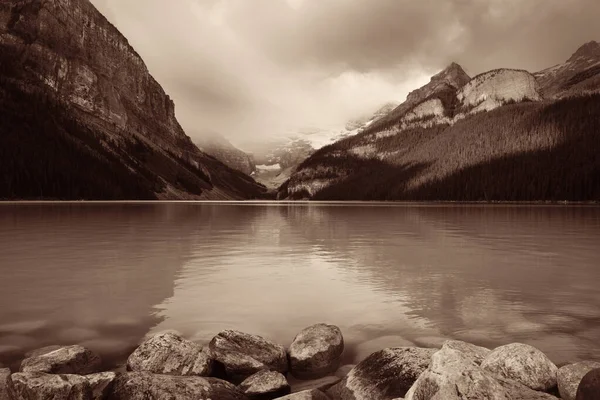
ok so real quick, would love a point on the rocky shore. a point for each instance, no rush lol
(242, 366)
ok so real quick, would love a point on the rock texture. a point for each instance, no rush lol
(316, 351)
(569, 377)
(306, 395)
(101, 384)
(65, 56)
(265, 385)
(65, 360)
(589, 387)
(7, 391)
(144, 386)
(475, 353)
(169, 353)
(40, 386)
(524, 364)
(243, 354)
(385, 375)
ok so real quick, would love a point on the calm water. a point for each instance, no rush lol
(106, 275)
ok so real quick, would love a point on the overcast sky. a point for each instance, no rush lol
(254, 68)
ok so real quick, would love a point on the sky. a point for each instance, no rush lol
(255, 69)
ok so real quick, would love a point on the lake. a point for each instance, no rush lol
(106, 275)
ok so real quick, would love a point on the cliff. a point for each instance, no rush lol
(66, 54)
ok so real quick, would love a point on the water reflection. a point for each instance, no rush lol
(105, 275)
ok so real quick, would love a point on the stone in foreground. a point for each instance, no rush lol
(306, 395)
(475, 353)
(101, 384)
(65, 360)
(42, 386)
(7, 390)
(524, 364)
(569, 377)
(265, 385)
(315, 351)
(145, 386)
(243, 354)
(589, 387)
(385, 375)
(170, 354)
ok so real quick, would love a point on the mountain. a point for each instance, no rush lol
(501, 135)
(580, 74)
(278, 159)
(220, 148)
(82, 118)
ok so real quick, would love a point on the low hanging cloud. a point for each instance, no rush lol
(254, 69)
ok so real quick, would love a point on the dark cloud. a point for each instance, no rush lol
(249, 68)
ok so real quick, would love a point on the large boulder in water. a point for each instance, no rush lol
(315, 351)
(243, 354)
(64, 360)
(170, 354)
(589, 387)
(569, 377)
(386, 374)
(144, 386)
(7, 390)
(265, 385)
(42, 386)
(522, 363)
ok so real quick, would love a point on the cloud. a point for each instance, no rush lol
(251, 69)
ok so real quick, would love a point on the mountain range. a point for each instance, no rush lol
(506, 135)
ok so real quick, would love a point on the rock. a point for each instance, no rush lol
(589, 387)
(524, 364)
(365, 349)
(101, 384)
(7, 391)
(475, 353)
(306, 395)
(322, 384)
(518, 391)
(168, 353)
(265, 385)
(315, 351)
(65, 360)
(145, 386)
(386, 374)
(570, 375)
(452, 375)
(344, 370)
(242, 354)
(42, 386)
(42, 351)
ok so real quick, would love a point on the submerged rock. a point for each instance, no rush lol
(524, 364)
(315, 351)
(569, 377)
(589, 387)
(265, 385)
(64, 360)
(386, 374)
(101, 384)
(306, 395)
(168, 353)
(144, 386)
(7, 391)
(243, 354)
(42, 386)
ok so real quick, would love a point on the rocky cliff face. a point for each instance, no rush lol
(67, 52)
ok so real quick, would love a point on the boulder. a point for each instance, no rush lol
(589, 387)
(518, 391)
(384, 375)
(242, 354)
(101, 384)
(42, 386)
(7, 390)
(144, 386)
(306, 395)
(452, 375)
(524, 364)
(570, 375)
(170, 354)
(265, 385)
(475, 353)
(315, 351)
(64, 360)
